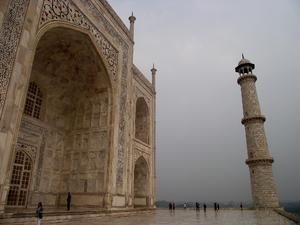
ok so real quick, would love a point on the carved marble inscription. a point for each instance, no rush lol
(10, 34)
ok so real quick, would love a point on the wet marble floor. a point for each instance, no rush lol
(179, 217)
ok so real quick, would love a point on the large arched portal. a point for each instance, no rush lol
(141, 183)
(66, 122)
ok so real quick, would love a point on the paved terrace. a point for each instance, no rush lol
(165, 217)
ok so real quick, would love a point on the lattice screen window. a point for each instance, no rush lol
(33, 101)
(20, 179)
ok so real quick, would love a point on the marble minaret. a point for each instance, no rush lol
(259, 159)
(132, 19)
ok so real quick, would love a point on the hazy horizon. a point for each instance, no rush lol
(195, 46)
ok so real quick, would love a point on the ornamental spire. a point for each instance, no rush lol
(131, 30)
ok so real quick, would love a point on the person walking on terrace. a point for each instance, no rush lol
(197, 206)
(173, 205)
(39, 213)
(69, 201)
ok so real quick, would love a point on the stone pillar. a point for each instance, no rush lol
(259, 159)
(132, 20)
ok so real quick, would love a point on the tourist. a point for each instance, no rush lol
(173, 206)
(241, 206)
(69, 201)
(197, 206)
(218, 207)
(204, 207)
(39, 213)
(170, 206)
(215, 206)
(184, 205)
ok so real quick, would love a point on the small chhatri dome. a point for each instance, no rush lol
(244, 63)
(132, 18)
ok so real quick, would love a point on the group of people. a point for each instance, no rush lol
(216, 206)
(172, 206)
(39, 209)
(198, 206)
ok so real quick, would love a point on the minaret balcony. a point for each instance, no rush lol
(264, 161)
(253, 119)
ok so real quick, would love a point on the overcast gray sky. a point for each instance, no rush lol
(195, 45)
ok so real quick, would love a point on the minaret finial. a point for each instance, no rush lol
(243, 56)
(153, 72)
(131, 30)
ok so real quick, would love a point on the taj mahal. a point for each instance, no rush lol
(77, 115)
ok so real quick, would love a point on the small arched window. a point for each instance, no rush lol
(33, 102)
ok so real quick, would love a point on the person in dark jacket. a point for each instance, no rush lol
(69, 201)
(173, 205)
(39, 213)
(204, 207)
(170, 206)
(197, 206)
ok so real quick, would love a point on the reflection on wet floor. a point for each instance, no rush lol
(181, 217)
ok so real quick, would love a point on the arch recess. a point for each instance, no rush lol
(109, 62)
(68, 14)
(78, 109)
(142, 121)
(141, 182)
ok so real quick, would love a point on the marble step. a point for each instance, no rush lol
(61, 215)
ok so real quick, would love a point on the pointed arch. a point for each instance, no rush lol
(142, 121)
(141, 182)
(69, 69)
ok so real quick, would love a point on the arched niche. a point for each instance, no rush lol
(142, 121)
(141, 182)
